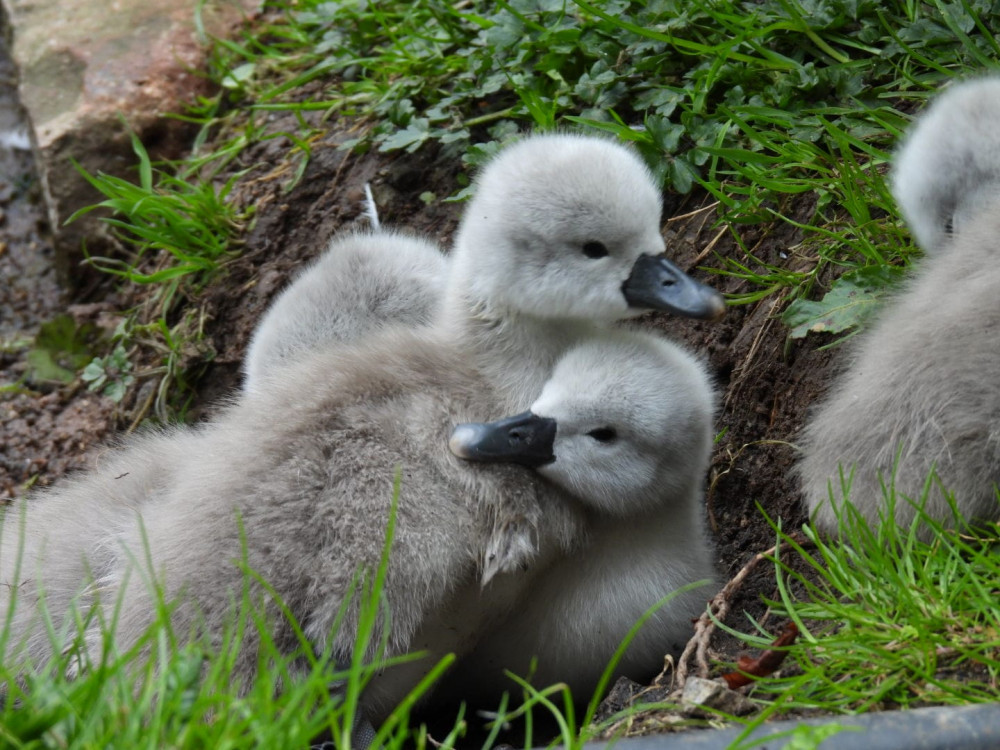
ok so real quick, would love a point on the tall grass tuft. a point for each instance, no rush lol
(889, 617)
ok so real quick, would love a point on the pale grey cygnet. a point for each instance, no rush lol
(562, 236)
(920, 389)
(624, 423)
(363, 282)
(309, 465)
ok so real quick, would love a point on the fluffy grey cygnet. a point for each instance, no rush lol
(922, 384)
(309, 467)
(633, 434)
(363, 282)
(562, 235)
(311, 477)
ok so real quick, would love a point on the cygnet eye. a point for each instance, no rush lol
(594, 249)
(603, 434)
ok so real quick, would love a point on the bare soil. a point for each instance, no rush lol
(766, 381)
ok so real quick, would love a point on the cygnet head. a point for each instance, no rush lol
(623, 423)
(948, 167)
(568, 226)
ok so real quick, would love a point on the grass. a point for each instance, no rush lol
(178, 234)
(766, 107)
(889, 618)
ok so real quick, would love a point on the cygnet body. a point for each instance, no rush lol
(54, 544)
(363, 282)
(920, 392)
(309, 468)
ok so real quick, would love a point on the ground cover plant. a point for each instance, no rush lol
(771, 126)
(888, 618)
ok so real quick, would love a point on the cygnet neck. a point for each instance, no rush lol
(515, 351)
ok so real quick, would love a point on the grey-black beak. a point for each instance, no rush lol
(657, 284)
(524, 439)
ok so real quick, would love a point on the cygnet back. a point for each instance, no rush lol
(362, 283)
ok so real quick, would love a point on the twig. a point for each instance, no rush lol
(710, 246)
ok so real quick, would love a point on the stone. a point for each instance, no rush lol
(90, 71)
(701, 694)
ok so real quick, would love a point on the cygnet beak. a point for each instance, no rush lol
(657, 284)
(524, 439)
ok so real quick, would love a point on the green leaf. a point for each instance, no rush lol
(60, 349)
(851, 299)
(43, 368)
(94, 371)
(411, 138)
(115, 390)
(239, 75)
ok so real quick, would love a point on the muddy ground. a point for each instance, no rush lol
(766, 382)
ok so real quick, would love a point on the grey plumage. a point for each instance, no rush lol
(57, 542)
(922, 384)
(362, 283)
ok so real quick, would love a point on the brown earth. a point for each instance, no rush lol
(766, 381)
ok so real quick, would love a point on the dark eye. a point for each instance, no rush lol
(603, 434)
(594, 249)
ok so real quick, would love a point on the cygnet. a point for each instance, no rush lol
(627, 426)
(562, 235)
(920, 390)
